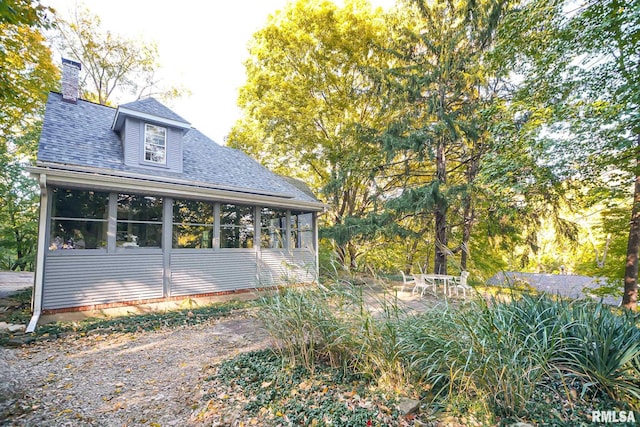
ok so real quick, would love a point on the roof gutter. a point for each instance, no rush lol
(135, 183)
(36, 299)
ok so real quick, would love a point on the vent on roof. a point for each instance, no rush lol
(70, 80)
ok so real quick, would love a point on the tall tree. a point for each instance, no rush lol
(18, 214)
(581, 62)
(27, 75)
(312, 110)
(112, 65)
(443, 79)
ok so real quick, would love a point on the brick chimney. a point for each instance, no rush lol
(70, 80)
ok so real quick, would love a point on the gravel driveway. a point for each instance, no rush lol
(147, 378)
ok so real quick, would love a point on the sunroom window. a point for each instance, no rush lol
(155, 144)
(236, 226)
(192, 224)
(139, 222)
(78, 219)
(301, 230)
(273, 226)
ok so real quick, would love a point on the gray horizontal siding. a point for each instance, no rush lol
(276, 268)
(280, 267)
(199, 272)
(77, 281)
(305, 262)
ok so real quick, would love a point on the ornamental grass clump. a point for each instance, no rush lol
(602, 348)
(492, 354)
(336, 326)
(491, 359)
(503, 352)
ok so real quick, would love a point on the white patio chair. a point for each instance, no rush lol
(406, 282)
(423, 284)
(458, 283)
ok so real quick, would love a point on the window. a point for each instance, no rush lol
(139, 223)
(302, 230)
(192, 224)
(155, 144)
(78, 219)
(236, 226)
(273, 227)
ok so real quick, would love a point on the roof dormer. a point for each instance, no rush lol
(151, 134)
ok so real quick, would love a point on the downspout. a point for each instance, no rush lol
(316, 222)
(36, 300)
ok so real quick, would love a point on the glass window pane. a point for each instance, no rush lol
(192, 224)
(236, 237)
(273, 224)
(155, 143)
(139, 235)
(192, 212)
(305, 239)
(236, 226)
(236, 214)
(186, 236)
(77, 234)
(79, 219)
(133, 207)
(302, 230)
(79, 204)
(139, 222)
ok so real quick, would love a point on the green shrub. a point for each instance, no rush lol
(603, 349)
(491, 358)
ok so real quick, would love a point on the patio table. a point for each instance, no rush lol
(438, 278)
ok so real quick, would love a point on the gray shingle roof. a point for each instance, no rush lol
(153, 107)
(80, 135)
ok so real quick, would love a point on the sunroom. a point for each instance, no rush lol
(137, 206)
(108, 247)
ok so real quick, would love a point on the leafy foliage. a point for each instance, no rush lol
(111, 64)
(26, 76)
(24, 12)
(312, 110)
(492, 360)
(18, 217)
(259, 388)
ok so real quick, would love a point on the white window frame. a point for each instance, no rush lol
(148, 128)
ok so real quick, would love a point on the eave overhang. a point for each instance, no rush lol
(122, 113)
(119, 181)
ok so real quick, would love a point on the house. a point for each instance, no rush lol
(138, 206)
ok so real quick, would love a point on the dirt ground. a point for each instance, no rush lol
(146, 378)
(151, 378)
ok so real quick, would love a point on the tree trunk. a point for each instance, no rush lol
(410, 256)
(342, 255)
(440, 260)
(353, 255)
(630, 297)
(469, 212)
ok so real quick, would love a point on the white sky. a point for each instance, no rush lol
(202, 46)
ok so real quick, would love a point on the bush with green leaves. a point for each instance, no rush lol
(492, 357)
(602, 348)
